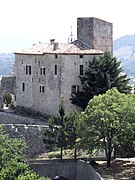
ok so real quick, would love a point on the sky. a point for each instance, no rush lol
(24, 22)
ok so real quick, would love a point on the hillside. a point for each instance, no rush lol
(124, 50)
(6, 64)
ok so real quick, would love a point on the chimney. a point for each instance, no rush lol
(55, 46)
(52, 41)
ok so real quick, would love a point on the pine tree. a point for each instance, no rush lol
(102, 74)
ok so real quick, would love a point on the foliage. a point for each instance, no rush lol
(107, 118)
(71, 130)
(13, 165)
(55, 154)
(102, 74)
(55, 135)
(7, 98)
(62, 131)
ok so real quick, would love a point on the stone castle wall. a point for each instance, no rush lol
(30, 129)
(57, 88)
(95, 32)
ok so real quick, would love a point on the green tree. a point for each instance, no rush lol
(106, 118)
(102, 74)
(55, 135)
(7, 98)
(71, 130)
(13, 165)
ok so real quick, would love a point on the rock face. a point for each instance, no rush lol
(124, 50)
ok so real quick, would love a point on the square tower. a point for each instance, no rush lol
(95, 32)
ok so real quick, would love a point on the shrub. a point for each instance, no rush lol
(55, 154)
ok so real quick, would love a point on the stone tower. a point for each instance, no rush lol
(95, 32)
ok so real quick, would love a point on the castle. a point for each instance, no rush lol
(47, 73)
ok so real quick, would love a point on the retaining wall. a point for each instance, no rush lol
(70, 169)
(29, 129)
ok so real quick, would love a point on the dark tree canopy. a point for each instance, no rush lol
(102, 74)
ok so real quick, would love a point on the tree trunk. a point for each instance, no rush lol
(109, 159)
(115, 151)
(75, 154)
(61, 154)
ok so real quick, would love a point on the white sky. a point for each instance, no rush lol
(23, 22)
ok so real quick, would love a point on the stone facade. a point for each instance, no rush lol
(47, 74)
(96, 33)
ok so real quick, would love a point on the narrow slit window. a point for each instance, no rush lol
(43, 89)
(81, 69)
(43, 71)
(56, 69)
(40, 71)
(23, 86)
(40, 89)
(30, 70)
(26, 69)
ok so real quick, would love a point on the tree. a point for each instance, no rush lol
(7, 98)
(105, 119)
(71, 130)
(55, 135)
(13, 165)
(102, 74)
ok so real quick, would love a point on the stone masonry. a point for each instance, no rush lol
(47, 73)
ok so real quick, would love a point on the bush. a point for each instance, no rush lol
(55, 154)
(7, 99)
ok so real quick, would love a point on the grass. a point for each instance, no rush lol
(119, 170)
(67, 154)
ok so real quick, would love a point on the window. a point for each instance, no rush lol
(55, 70)
(81, 56)
(74, 88)
(42, 71)
(23, 86)
(42, 89)
(22, 61)
(81, 70)
(35, 60)
(56, 56)
(28, 69)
